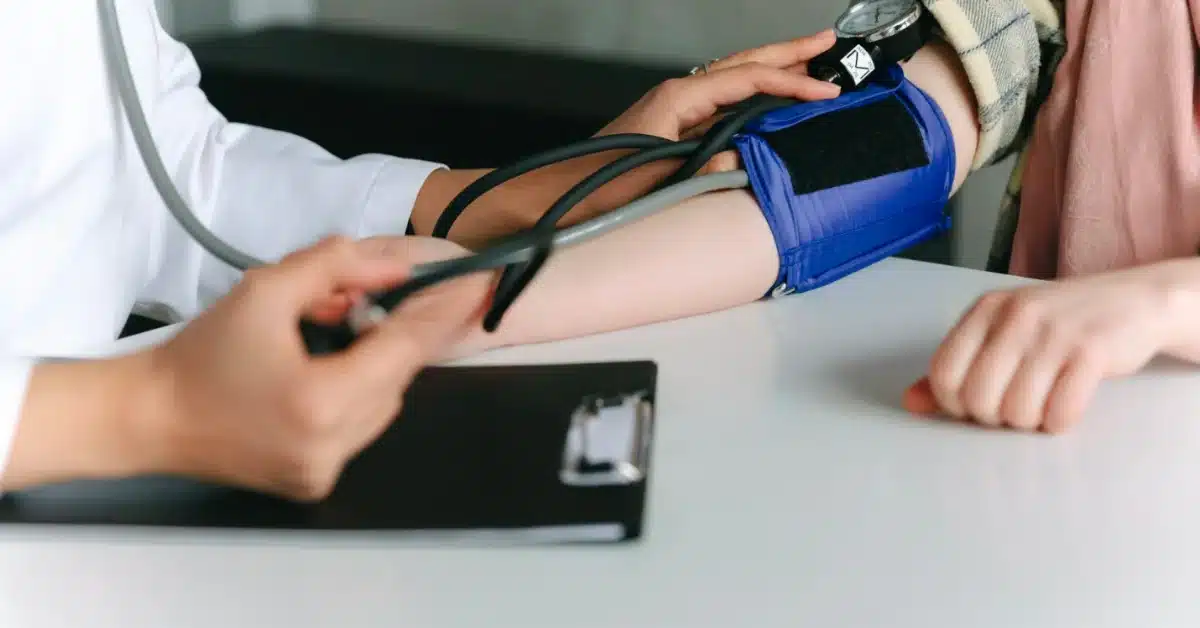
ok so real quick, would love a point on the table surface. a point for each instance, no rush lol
(788, 490)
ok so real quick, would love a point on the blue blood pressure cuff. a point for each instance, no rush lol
(846, 182)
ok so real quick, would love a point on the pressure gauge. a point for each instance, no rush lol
(872, 34)
(873, 20)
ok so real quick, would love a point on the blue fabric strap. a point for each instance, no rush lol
(828, 234)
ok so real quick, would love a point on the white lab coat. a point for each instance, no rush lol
(84, 236)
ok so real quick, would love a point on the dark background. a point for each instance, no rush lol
(461, 105)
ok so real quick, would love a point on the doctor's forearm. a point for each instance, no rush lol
(439, 189)
(514, 206)
(82, 420)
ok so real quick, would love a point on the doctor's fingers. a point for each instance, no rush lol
(311, 278)
(414, 250)
(420, 330)
(786, 54)
(728, 160)
(692, 101)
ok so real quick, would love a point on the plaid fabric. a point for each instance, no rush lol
(1010, 49)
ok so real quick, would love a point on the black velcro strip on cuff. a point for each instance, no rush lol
(851, 145)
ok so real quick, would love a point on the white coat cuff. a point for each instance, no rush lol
(393, 195)
(14, 383)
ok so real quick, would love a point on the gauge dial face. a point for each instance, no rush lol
(867, 17)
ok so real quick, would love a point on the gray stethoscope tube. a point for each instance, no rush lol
(117, 58)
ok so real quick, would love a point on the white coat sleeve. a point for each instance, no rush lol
(265, 192)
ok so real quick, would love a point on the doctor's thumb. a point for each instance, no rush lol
(309, 278)
(421, 330)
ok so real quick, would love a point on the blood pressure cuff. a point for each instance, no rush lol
(849, 181)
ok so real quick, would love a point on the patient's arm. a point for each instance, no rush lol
(706, 254)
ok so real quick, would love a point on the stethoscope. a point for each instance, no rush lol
(520, 256)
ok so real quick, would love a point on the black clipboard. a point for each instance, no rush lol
(534, 453)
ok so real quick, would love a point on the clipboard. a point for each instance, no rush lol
(557, 453)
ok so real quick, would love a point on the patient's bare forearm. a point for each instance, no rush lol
(704, 255)
(710, 253)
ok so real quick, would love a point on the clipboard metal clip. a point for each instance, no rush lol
(608, 442)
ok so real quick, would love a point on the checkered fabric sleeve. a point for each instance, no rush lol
(1009, 49)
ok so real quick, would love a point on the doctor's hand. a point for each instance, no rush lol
(245, 404)
(679, 108)
(685, 107)
(1032, 358)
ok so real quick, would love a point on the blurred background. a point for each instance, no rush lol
(477, 82)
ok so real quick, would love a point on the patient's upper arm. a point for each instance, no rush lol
(938, 71)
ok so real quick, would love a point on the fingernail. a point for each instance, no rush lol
(824, 88)
(918, 399)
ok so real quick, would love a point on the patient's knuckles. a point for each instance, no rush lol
(947, 391)
(1090, 357)
(981, 405)
(1020, 412)
(989, 302)
(939, 380)
(1025, 312)
(943, 375)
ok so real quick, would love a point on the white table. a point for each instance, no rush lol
(789, 490)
